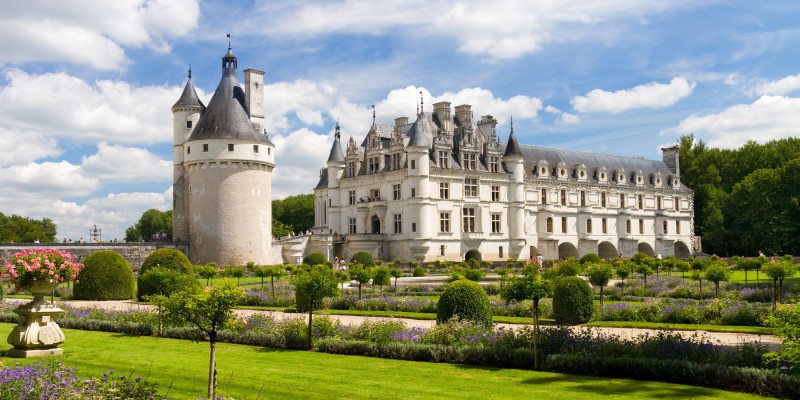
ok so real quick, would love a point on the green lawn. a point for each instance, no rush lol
(247, 372)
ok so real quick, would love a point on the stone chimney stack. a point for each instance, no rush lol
(401, 121)
(464, 115)
(671, 157)
(442, 110)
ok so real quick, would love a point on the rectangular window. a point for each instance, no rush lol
(396, 192)
(188, 150)
(443, 159)
(189, 124)
(373, 165)
(641, 202)
(396, 161)
(495, 193)
(588, 226)
(441, 250)
(605, 225)
(375, 195)
(469, 219)
(205, 147)
(628, 226)
(658, 202)
(495, 223)
(544, 196)
(413, 164)
(351, 197)
(602, 199)
(413, 227)
(352, 225)
(641, 226)
(563, 197)
(470, 161)
(622, 201)
(583, 198)
(549, 226)
(470, 187)
(255, 148)
(500, 251)
(413, 192)
(678, 227)
(563, 224)
(444, 222)
(351, 169)
(677, 204)
(444, 190)
(230, 146)
(398, 223)
(666, 228)
(494, 166)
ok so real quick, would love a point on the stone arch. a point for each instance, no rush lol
(607, 251)
(473, 254)
(375, 225)
(682, 251)
(567, 250)
(646, 249)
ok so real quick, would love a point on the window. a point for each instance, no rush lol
(444, 223)
(189, 124)
(471, 161)
(255, 148)
(628, 226)
(413, 227)
(583, 198)
(495, 193)
(205, 147)
(563, 224)
(678, 227)
(444, 190)
(413, 164)
(373, 164)
(549, 225)
(677, 204)
(441, 250)
(658, 202)
(588, 226)
(563, 197)
(396, 192)
(269, 151)
(470, 187)
(352, 225)
(230, 146)
(398, 223)
(443, 159)
(494, 166)
(604, 224)
(351, 197)
(666, 229)
(188, 150)
(544, 196)
(500, 250)
(622, 200)
(495, 223)
(351, 169)
(396, 161)
(375, 194)
(413, 192)
(603, 199)
(640, 202)
(469, 219)
(641, 226)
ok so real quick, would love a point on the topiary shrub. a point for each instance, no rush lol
(573, 301)
(171, 259)
(465, 299)
(418, 271)
(590, 258)
(315, 259)
(106, 275)
(159, 280)
(363, 258)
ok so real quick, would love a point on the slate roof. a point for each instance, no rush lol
(422, 131)
(189, 98)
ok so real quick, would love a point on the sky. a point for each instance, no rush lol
(87, 86)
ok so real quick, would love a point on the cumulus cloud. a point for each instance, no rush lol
(92, 32)
(48, 179)
(22, 147)
(651, 95)
(570, 119)
(768, 118)
(112, 111)
(126, 164)
(780, 87)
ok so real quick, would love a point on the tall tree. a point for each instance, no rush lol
(314, 285)
(152, 222)
(295, 213)
(20, 229)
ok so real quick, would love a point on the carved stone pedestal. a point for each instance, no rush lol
(36, 334)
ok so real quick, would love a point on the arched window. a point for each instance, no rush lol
(549, 224)
(588, 226)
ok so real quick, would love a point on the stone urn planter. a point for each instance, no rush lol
(37, 333)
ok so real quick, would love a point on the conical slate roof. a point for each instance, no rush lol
(422, 132)
(336, 150)
(226, 116)
(512, 149)
(189, 97)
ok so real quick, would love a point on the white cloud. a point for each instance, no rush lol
(111, 111)
(22, 147)
(780, 87)
(126, 164)
(651, 95)
(768, 118)
(552, 110)
(91, 32)
(570, 119)
(46, 179)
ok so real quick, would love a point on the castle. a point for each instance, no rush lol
(222, 171)
(444, 187)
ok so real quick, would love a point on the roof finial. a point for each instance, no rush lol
(417, 108)
(229, 41)
(512, 125)
(373, 114)
(421, 102)
(337, 134)
(190, 71)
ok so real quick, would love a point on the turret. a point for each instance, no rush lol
(335, 161)
(516, 188)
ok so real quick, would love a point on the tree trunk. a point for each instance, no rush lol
(272, 284)
(716, 289)
(601, 295)
(780, 290)
(212, 367)
(310, 313)
(395, 284)
(774, 294)
(701, 289)
(359, 290)
(745, 277)
(536, 334)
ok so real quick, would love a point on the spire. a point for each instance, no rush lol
(189, 98)
(336, 154)
(229, 61)
(373, 115)
(512, 148)
(338, 134)
(190, 71)
(421, 102)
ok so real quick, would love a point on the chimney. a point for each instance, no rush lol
(671, 157)
(400, 121)
(464, 115)
(442, 110)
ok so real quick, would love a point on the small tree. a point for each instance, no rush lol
(381, 276)
(622, 272)
(276, 271)
(207, 271)
(573, 301)
(747, 265)
(644, 269)
(787, 319)
(530, 286)
(363, 258)
(718, 272)
(234, 271)
(599, 275)
(314, 285)
(396, 273)
(778, 271)
(684, 267)
(208, 310)
(360, 274)
(342, 277)
(698, 271)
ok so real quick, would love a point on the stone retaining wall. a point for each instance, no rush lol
(135, 253)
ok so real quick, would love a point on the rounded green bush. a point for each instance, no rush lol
(573, 301)
(590, 258)
(363, 258)
(106, 275)
(159, 280)
(465, 299)
(419, 271)
(171, 259)
(315, 259)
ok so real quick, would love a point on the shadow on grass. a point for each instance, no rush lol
(622, 386)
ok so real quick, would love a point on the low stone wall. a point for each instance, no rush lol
(135, 253)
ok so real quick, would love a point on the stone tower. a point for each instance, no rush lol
(222, 191)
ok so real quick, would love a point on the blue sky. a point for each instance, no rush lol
(87, 86)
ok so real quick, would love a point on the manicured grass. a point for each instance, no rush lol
(246, 372)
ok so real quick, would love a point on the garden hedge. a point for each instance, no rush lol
(465, 299)
(315, 259)
(363, 258)
(573, 301)
(171, 259)
(159, 280)
(106, 275)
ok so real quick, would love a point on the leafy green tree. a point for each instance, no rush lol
(381, 276)
(275, 272)
(684, 267)
(234, 271)
(786, 318)
(599, 275)
(363, 258)
(19, 229)
(778, 271)
(395, 273)
(698, 272)
(152, 222)
(342, 277)
(529, 286)
(209, 311)
(295, 213)
(622, 271)
(360, 274)
(747, 265)
(718, 272)
(207, 271)
(314, 285)
(645, 270)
